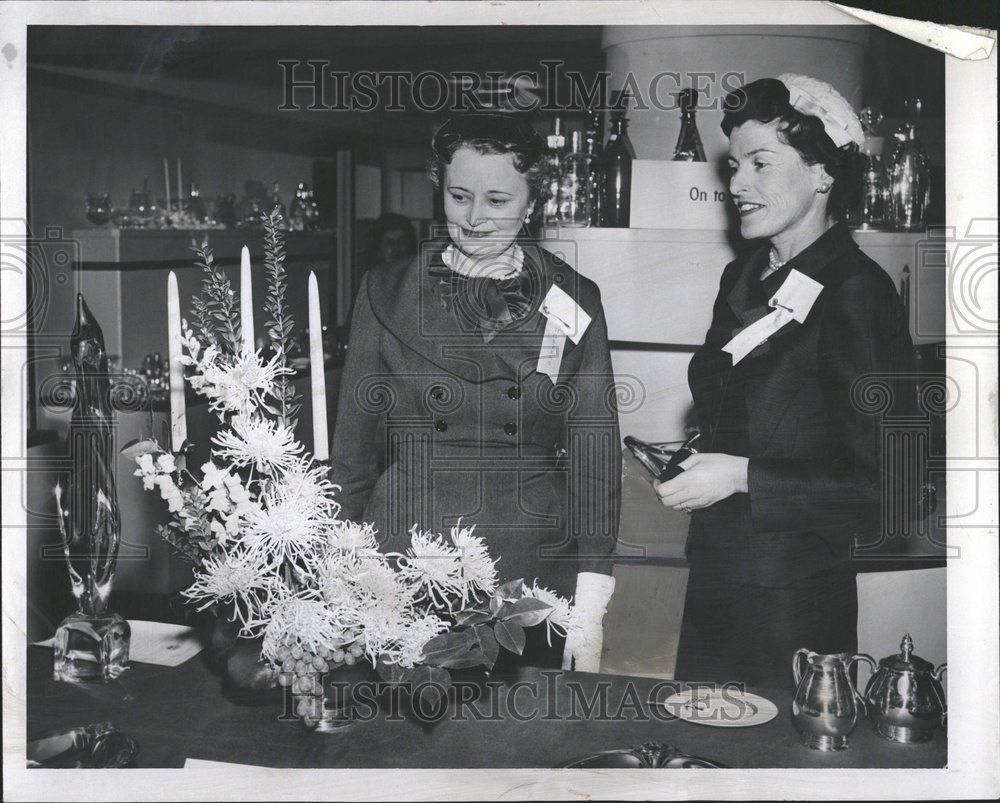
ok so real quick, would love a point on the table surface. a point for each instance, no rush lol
(182, 712)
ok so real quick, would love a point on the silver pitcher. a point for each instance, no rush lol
(906, 701)
(826, 703)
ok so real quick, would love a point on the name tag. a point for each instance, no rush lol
(564, 318)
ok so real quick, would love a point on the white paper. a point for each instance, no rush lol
(158, 643)
(551, 351)
(791, 302)
(561, 308)
(204, 764)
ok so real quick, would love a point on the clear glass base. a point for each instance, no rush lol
(826, 744)
(90, 649)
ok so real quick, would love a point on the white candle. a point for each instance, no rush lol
(246, 301)
(166, 181)
(178, 419)
(321, 449)
(180, 187)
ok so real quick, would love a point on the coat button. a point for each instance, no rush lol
(510, 428)
(441, 426)
(513, 392)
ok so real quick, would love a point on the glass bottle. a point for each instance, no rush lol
(689, 147)
(909, 173)
(870, 210)
(556, 142)
(593, 136)
(194, 205)
(574, 186)
(297, 212)
(618, 156)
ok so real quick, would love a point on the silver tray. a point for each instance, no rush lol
(650, 755)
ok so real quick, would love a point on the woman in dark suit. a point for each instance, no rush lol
(792, 471)
(478, 386)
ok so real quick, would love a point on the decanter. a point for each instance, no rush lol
(618, 156)
(689, 147)
(297, 211)
(556, 142)
(593, 135)
(574, 186)
(870, 211)
(909, 173)
(194, 205)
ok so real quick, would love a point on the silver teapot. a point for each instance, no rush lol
(826, 704)
(905, 699)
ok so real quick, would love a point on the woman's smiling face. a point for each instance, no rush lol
(486, 199)
(775, 191)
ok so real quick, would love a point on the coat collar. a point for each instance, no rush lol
(811, 261)
(402, 298)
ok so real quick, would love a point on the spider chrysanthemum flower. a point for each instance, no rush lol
(353, 537)
(238, 383)
(234, 577)
(409, 649)
(284, 528)
(298, 619)
(558, 619)
(478, 569)
(434, 566)
(308, 483)
(265, 445)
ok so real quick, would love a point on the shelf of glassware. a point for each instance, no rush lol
(658, 285)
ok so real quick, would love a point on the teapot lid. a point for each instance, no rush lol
(906, 661)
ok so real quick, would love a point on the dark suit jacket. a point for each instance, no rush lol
(434, 424)
(814, 395)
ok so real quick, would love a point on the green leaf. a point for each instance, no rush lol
(511, 591)
(527, 611)
(472, 616)
(488, 643)
(392, 673)
(510, 635)
(448, 647)
(433, 684)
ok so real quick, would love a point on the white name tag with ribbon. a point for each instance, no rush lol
(564, 318)
(791, 302)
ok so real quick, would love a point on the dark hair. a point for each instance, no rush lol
(390, 221)
(767, 100)
(528, 156)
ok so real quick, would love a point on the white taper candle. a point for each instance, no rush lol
(321, 449)
(178, 415)
(246, 301)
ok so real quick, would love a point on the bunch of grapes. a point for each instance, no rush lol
(304, 669)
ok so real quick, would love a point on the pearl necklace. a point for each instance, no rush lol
(773, 264)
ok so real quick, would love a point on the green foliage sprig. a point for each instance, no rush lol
(280, 325)
(215, 311)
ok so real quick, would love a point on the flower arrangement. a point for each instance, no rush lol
(260, 523)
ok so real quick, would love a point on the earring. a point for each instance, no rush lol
(823, 188)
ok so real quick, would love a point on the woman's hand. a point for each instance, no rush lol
(706, 479)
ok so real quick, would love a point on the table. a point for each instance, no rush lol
(181, 712)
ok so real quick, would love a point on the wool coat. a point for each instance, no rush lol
(437, 423)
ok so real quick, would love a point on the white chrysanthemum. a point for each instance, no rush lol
(307, 482)
(231, 578)
(266, 445)
(353, 537)
(559, 618)
(381, 606)
(409, 649)
(237, 383)
(298, 619)
(478, 569)
(284, 528)
(434, 566)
